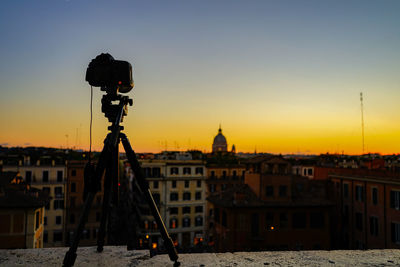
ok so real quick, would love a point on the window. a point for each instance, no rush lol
(212, 174)
(186, 210)
(156, 172)
(395, 200)
(234, 174)
(58, 219)
(345, 190)
(269, 191)
(198, 221)
(223, 187)
(72, 202)
(198, 183)
(187, 183)
(59, 176)
(395, 232)
(199, 209)
(47, 205)
(73, 173)
(45, 220)
(174, 170)
(359, 219)
(155, 184)
(187, 170)
(186, 222)
(28, 177)
(98, 216)
(310, 171)
(58, 191)
(73, 187)
(299, 220)
(173, 211)
(186, 196)
(147, 172)
(224, 174)
(58, 204)
(173, 184)
(317, 220)
(212, 188)
(216, 216)
(255, 224)
(269, 220)
(359, 193)
(95, 231)
(199, 170)
(373, 226)
(375, 196)
(198, 196)
(57, 236)
(224, 219)
(45, 176)
(72, 218)
(283, 220)
(282, 190)
(45, 237)
(173, 196)
(173, 223)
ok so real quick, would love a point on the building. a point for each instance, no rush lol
(74, 206)
(272, 210)
(21, 213)
(368, 210)
(47, 173)
(178, 188)
(219, 143)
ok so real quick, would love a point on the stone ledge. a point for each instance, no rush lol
(119, 256)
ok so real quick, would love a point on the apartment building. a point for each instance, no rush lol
(46, 173)
(368, 210)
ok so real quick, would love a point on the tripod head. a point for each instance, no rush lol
(115, 112)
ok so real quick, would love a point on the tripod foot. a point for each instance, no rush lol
(177, 264)
(69, 259)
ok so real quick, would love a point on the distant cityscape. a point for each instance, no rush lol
(222, 201)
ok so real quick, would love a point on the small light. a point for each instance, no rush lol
(154, 245)
(119, 82)
(147, 236)
(119, 184)
(272, 228)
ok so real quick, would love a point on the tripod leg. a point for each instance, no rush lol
(105, 210)
(144, 186)
(70, 256)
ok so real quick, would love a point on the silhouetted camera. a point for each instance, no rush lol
(110, 74)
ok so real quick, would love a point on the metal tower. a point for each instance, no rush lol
(362, 121)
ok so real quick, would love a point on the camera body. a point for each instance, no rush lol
(106, 72)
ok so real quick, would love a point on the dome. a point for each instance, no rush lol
(219, 144)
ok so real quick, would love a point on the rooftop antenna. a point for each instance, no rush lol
(362, 121)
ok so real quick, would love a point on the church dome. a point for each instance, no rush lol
(219, 144)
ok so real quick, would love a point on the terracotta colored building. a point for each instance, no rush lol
(368, 211)
(273, 210)
(74, 206)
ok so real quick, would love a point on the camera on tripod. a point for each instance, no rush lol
(111, 75)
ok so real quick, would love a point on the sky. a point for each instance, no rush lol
(279, 76)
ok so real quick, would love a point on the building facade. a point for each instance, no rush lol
(48, 174)
(368, 211)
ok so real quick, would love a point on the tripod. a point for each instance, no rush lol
(108, 162)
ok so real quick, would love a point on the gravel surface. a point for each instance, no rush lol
(119, 256)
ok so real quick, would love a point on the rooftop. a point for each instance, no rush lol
(119, 256)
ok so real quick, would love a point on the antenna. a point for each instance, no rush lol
(362, 121)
